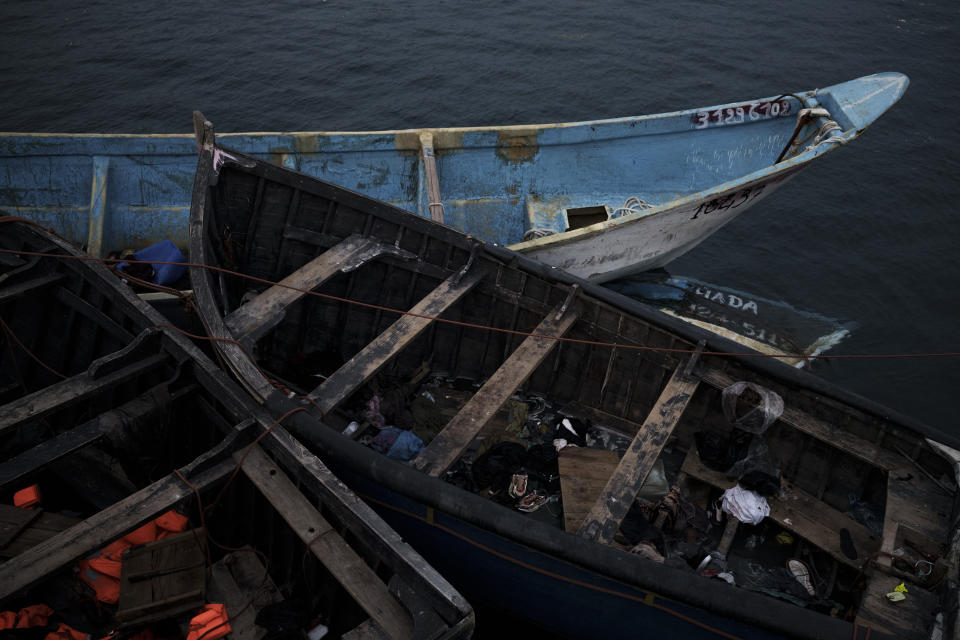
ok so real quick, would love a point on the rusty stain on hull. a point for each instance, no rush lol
(516, 147)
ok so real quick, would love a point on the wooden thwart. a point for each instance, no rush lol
(388, 344)
(603, 521)
(102, 528)
(459, 432)
(252, 320)
(431, 176)
(801, 513)
(337, 556)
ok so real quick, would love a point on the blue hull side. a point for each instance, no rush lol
(115, 192)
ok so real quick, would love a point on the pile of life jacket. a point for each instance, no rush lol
(38, 615)
(101, 570)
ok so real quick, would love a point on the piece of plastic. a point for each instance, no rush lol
(758, 417)
(163, 251)
(656, 485)
(746, 506)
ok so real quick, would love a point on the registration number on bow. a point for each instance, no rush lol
(741, 113)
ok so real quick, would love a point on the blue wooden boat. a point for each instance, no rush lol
(600, 199)
(486, 325)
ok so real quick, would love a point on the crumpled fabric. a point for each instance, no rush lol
(398, 444)
(744, 505)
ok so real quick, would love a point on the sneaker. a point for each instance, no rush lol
(531, 502)
(518, 485)
(801, 572)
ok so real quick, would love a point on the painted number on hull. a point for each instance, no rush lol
(731, 201)
(741, 113)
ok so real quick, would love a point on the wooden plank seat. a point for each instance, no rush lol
(254, 319)
(356, 576)
(450, 443)
(348, 378)
(603, 521)
(801, 513)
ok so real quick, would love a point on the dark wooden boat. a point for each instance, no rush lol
(480, 312)
(118, 420)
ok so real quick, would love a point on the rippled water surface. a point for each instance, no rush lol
(869, 235)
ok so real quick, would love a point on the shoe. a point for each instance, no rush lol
(801, 572)
(531, 502)
(518, 485)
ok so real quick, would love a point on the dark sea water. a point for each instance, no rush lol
(869, 234)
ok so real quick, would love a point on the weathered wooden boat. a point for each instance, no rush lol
(118, 420)
(366, 290)
(600, 199)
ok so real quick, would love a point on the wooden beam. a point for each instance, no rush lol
(102, 528)
(68, 392)
(28, 286)
(254, 319)
(450, 443)
(63, 444)
(360, 581)
(603, 521)
(432, 177)
(361, 367)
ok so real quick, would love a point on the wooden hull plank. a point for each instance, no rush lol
(348, 378)
(351, 571)
(457, 435)
(603, 521)
(66, 392)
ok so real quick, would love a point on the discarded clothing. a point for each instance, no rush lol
(572, 430)
(744, 505)
(398, 444)
(720, 452)
(760, 482)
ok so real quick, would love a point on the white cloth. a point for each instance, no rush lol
(745, 505)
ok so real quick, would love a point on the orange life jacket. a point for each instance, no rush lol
(27, 498)
(210, 623)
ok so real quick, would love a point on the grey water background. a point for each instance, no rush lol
(869, 234)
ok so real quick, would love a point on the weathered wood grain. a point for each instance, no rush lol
(603, 521)
(450, 443)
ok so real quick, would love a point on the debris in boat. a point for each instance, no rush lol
(210, 623)
(147, 267)
(801, 572)
(27, 498)
(750, 407)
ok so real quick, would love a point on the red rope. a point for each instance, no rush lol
(471, 325)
